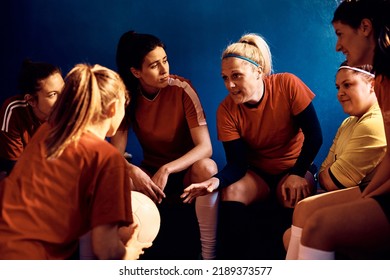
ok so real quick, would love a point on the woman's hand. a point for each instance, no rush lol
(134, 248)
(144, 184)
(294, 189)
(199, 189)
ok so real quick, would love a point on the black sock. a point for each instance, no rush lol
(232, 231)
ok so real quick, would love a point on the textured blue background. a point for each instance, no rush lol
(66, 32)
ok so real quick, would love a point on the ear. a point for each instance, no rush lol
(135, 72)
(30, 100)
(373, 86)
(259, 72)
(112, 107)
(366, 26)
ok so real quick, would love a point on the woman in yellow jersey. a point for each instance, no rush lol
(360, 227)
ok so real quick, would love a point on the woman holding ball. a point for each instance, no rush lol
(69, 180)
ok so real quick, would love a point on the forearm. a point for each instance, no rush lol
(197, 153)
(308, 122)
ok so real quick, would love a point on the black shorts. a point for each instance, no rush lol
(384, 202)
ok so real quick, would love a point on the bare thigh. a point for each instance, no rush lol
(360, 224)
(306, 207)
(247, 190)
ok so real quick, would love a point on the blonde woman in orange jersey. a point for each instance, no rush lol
(69, 180)
(168, 119)
(271, 135)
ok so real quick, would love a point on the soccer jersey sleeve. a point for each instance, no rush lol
(364, 151)
(112, 200)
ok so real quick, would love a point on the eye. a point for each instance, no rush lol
(337, 87)
(236, 76)
(224, 78)
(52, 94)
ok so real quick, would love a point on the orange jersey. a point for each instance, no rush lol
(47, 204)
(164, 123)
(18, 124)
(273, 140)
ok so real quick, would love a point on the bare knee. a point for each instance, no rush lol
(202, 170)
(318, 232)
(303, 210)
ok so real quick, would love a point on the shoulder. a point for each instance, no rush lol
(179, 82)
(283, 78)
(14, 102)
(181, 85)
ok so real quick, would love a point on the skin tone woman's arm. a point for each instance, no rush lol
(325, 180)
(107, 245)
(203, 149)
(140, 180)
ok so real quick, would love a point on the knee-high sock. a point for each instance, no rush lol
(233, 231)
(307, 253)
(293, 245)
(206, 208)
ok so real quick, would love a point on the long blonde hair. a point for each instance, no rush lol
(84, 101)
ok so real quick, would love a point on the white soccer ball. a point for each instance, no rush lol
(146, 215)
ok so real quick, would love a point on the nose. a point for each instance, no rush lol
(230, 84)
(340, 93)
(338, 46)
(164, 68)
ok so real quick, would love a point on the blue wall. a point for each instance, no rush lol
(66, 32)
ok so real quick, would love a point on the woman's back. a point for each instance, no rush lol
(53, 201)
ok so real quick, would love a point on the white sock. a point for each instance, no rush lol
(206, 208)
(307, 253)
(293, 245)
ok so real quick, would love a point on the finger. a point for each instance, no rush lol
(189, 188)
(184, 195)
(284, 192)
(293, 195)
(306, 193)
(157, 190)
(299, 196)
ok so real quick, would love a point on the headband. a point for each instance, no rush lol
(241, 57)
(358, 70)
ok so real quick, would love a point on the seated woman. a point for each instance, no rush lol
(271, 135)
(167, 117)
(357, 149)
(40, 84)
(69, 180)
(360, 142)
